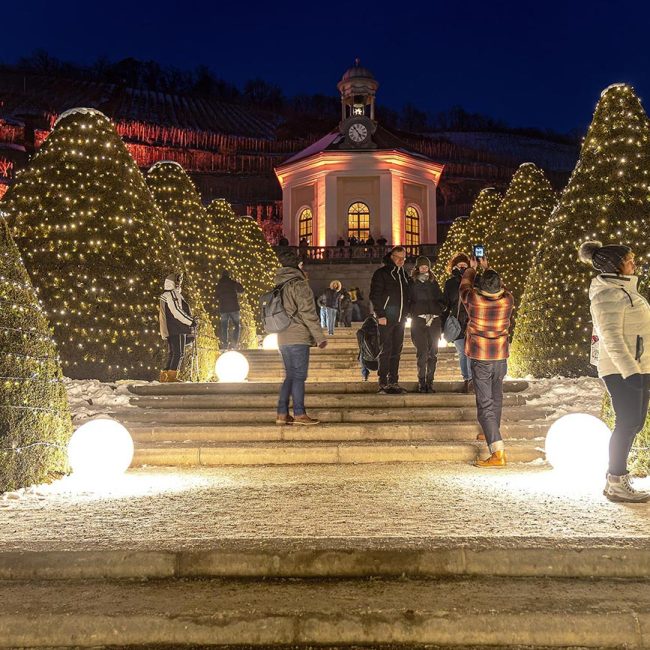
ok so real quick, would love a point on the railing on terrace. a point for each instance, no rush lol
(360, 254)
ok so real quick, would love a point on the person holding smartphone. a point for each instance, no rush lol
(621, 317)
(489, 308)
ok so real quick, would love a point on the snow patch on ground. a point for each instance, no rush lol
(90, 398)
(563, 395)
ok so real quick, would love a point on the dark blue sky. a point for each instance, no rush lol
(531, 63)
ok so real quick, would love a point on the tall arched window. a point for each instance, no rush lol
(359, 221)
(412, 223)
(305, 225)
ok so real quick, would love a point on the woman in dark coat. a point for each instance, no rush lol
(426, 308)
(458, 264)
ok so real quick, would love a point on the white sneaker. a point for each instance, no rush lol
(619, 489)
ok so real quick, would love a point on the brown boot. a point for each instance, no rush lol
(163, 376)
(283, 418)
(496, 460)
(172, 376)
(480, 436)
(305, 420)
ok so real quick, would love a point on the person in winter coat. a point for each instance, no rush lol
(426, 308)
(489, 308)
(621, 317)
(389, 294)
(458, 264)
(296, 340)
(176, 324)
(345, 309)
(330, 299)
(227, 294)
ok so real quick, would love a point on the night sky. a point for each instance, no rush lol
(537, 64)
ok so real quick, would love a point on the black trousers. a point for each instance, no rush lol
(630, 399)
(391, 340)
(488, 387)
(176, 349)
(425, 339)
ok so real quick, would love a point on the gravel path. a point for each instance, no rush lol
(372, 506)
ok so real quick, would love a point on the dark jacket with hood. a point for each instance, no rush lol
(331, 298)
(426, 297)
(452, 300)
(389, 291)
(175, 316)
(226, 293)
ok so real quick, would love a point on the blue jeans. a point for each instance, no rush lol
(296, 363)
(226, 318)
(330, 317)
(465, 368)
(323, 317)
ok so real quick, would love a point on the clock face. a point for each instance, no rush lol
(357, 133)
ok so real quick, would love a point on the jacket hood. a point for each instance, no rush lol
(170, 285)
(288, 273)
(606, 281)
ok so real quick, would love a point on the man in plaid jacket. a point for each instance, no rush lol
(489, 307)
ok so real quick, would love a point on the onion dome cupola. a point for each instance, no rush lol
(358, 88)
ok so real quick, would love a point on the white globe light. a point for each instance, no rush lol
(578, 444)
(442, 342)
(270, 342)
(408, 321)
(231, 367)
(99, 450)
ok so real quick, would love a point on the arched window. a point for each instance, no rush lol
(412, 223)
(359, 221)
(305, 225)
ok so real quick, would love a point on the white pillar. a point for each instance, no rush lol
(383, 225)
(331, 210)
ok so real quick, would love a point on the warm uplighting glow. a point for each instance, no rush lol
(442, 342)
(409, 320)
(100, 450)
(577, 445)
(232, 367)
(270, 342)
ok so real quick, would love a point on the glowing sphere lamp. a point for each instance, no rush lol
(270, 342)
(231, 367)
(99, 450)
(578, 444)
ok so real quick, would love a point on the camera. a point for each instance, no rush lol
(479, 251)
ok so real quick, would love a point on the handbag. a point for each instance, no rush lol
(452, 328)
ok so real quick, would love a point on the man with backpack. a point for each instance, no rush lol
(295, 340)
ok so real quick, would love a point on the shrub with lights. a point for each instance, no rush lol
(515, 233)
(35, 423)
(607, 198)
(97, 249)
(456, 241)
(254, 261)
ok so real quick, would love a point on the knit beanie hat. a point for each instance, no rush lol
(458, 258)
(605, 259)
(421, 261)
(490, 282)
(289, 258)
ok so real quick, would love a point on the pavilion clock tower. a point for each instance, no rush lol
(360, 179)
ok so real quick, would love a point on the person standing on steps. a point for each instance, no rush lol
(621, 317)
(458, 264)
(426, 308)
(330, 299)
(389, 294)
(176, 324)
(296, 340)
(489, 308)
(227, 294)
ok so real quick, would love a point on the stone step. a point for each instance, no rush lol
(479, 612)
(342, 387)
(433, 415)
(326, 559)
(318, 400)
(466, 431)
(288, 452)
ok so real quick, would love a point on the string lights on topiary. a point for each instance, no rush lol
(607, 198)
(96, 247)
(35, 420)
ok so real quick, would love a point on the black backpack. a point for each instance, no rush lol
(369, 346)
(274, 316)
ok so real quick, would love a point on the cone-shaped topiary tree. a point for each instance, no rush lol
(515, 233)
(456, 241)
(96, 247)
(35, 423)
(482, 216)
(607, 198)
(255, 261)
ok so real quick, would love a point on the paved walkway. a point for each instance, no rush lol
(353, 506)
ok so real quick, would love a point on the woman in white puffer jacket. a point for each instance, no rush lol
(621, 317)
